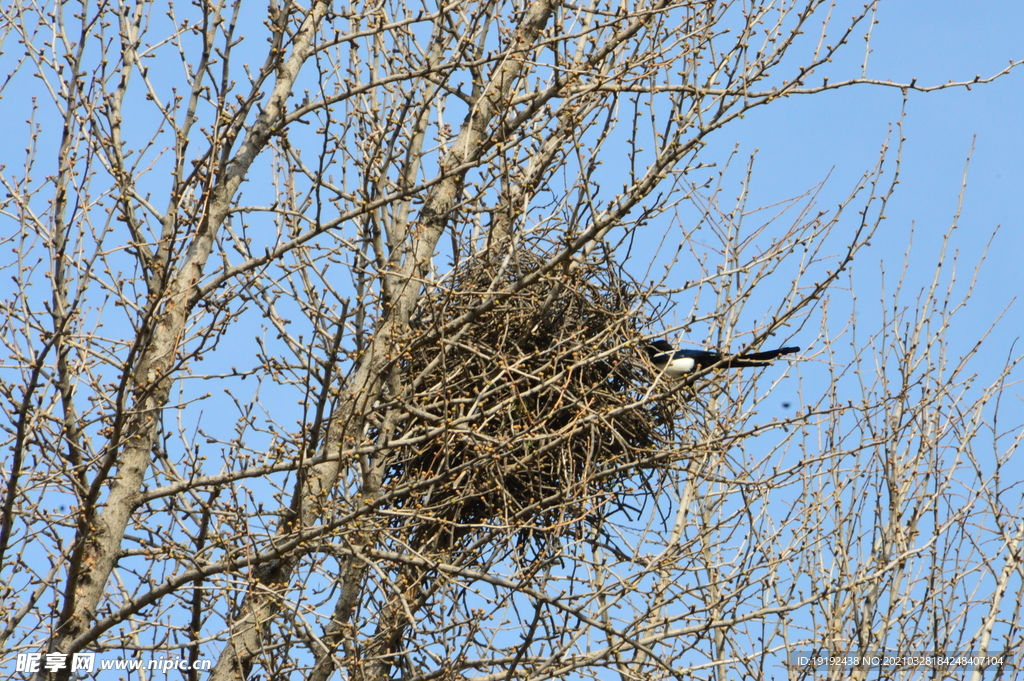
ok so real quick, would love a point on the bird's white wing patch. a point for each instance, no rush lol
(680, 366)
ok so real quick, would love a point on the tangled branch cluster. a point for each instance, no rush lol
(539, 401)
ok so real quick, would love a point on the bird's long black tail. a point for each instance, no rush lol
(756, 359)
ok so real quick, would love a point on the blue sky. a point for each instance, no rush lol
(803, 139)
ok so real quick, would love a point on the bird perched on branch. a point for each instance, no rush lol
(679, 362)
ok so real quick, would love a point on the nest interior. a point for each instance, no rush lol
(530, 415)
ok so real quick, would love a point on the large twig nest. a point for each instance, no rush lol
(531, 415)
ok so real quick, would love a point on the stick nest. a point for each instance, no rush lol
(529, 416)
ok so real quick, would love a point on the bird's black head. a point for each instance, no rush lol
(657, 347)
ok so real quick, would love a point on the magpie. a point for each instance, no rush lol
(679, 362)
